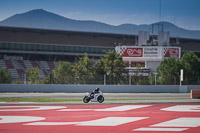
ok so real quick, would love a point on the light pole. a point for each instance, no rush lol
(106, 73)
(104, 79)
(25, 78)
(181, 77)
(155, 76)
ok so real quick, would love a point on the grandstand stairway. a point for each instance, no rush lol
(41, 74)
(9, 64)
(35, 64)
(28, 64)
(45, 65)
(2, 64)
(14, 73)
(51, 65)
(21, 62)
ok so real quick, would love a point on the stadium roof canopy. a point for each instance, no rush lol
(83, 39)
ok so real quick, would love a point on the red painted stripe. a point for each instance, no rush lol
(153, 116)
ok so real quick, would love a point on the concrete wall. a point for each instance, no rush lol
(104, 88)
(153, 65)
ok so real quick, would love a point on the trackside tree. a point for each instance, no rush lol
(63, 74)
(169, 70)
(190, 64)
(34, 76)
(5, 76)
(111, 69)
(83, 69)
(111, 66)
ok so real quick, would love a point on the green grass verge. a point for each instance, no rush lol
(147, 99)
(40, 99)
(46, 99)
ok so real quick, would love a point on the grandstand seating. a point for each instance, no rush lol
(44, 64)
(41, 74)
(28, 64)
(18, 68)
(9, 64)
(20, 73)
(51, 65)
(14, 73)
(2, 64)
(21, 62)
(35, 64)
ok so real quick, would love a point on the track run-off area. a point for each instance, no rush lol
(98, 118)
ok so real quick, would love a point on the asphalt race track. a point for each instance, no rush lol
(106, 95)
(98, 118)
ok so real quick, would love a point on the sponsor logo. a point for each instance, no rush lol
(171, 52)
(133, 52)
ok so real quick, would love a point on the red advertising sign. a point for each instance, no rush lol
(131, 52)
(171, 52)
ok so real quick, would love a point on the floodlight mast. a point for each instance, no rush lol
(159, 24)
(160, 12)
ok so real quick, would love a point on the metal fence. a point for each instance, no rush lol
(104, 88)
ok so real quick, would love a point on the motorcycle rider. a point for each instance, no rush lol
(95, 91)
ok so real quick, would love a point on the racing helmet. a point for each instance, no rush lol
(97, 90)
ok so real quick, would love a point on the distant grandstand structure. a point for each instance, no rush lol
(24, 48)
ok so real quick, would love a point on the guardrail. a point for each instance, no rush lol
(105, 88)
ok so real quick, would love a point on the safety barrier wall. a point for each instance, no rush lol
(104, 88)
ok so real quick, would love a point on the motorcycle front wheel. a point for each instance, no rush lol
(100, 99)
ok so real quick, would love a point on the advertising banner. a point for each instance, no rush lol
(131, 52)
(171, 52)
(151, 52)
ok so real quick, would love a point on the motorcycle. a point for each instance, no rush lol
(98, 97)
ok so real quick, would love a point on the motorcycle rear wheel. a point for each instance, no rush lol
(86, 99)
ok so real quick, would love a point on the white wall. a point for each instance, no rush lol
(104, 88)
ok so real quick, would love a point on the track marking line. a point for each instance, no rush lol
(123, 108)
(180, 122)
(76, 110)
(111, 121)
(118, 108)
(108, 121)
(160, 129)
(52, 123)
(17, 119)
(183, 108)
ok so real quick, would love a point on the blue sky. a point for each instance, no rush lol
(184, 13)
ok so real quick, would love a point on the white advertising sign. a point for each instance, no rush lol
(151, 52)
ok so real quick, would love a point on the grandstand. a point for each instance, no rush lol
(19, 67)
(24, 48)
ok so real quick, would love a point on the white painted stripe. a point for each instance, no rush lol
(17, 119)
(111, 121)
(76, 110)
(118, 108)
(52, 123)
(108, 121)
(160, 129)
(180, 122)
(123, 108)
(183, 108)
